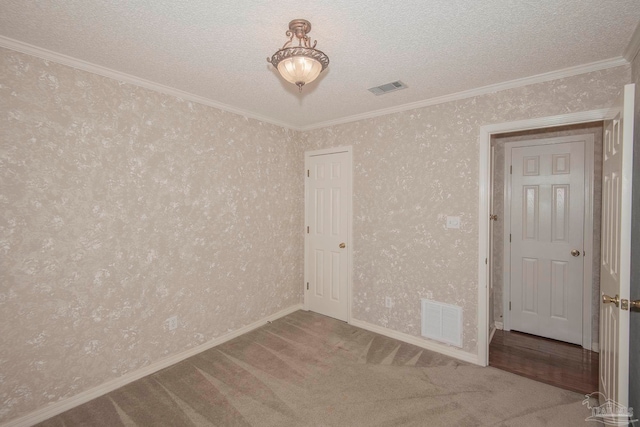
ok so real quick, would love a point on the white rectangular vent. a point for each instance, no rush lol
(442, 322)
(386, 88)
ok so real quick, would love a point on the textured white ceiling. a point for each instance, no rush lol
(218, 50)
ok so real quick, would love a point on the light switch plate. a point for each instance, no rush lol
(453, 222)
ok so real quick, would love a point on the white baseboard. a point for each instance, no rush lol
(499, 325)
(417, 341)
(56, 408)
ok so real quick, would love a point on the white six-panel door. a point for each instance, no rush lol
(328, 200)
(616, 249)
(547, 240)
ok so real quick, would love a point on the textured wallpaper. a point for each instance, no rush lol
(120, 207)
(497, 232)
(411, 170)
(498, 142)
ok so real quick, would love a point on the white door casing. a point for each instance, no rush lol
(547, 214)
(615, 268)
(328, 196)
(484, 191)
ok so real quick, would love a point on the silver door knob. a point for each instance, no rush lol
(342, 246)
(575, 252)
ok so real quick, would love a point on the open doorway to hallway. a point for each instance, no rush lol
(535, 355)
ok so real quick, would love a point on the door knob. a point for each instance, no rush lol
(635, 304)
(607, 299)
(342, 246)
(575, 252)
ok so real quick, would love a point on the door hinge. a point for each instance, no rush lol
(510, 170)
(307, 285)
(509, 305)
(307, 229)
(307, 173)
(486, 261)
(509, 237)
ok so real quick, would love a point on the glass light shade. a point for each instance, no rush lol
(299, 70)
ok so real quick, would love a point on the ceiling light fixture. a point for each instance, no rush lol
(300, 64)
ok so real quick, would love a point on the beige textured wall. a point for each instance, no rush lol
(411, 169)
(498, 142)
(496, 230)
(121, 207)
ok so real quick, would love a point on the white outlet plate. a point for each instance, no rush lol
(388, 302)
(453, 222)
(172, 322)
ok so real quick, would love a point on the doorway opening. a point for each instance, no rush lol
(526, 348)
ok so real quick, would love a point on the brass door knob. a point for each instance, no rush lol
(342, 246)
(575, 252)
(635, 304)
(607, 299)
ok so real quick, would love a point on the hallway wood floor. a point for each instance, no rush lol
(563, 365)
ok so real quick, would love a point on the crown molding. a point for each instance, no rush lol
(49, 55)
(128, 78)
(633, 47)
(511, 84)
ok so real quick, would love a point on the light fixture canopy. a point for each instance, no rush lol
(300, 64)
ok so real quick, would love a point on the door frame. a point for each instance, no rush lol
(484, 199)
(307, 156)
(587, 232)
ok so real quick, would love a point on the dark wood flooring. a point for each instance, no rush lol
(563, 365)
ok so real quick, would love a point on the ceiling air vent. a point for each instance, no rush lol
(386, 88)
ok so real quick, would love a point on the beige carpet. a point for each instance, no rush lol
(309, 370)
